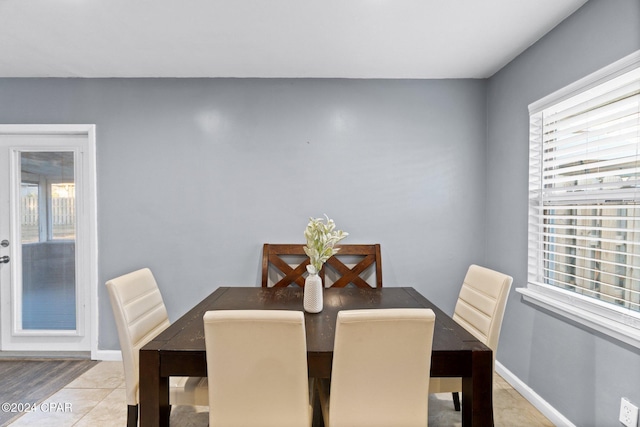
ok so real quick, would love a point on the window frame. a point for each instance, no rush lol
(617, 322)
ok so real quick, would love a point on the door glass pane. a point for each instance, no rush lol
(63, 211)
(47, 230)
(30, 220)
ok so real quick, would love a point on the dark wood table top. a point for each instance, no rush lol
(187, 334)
(180, 349)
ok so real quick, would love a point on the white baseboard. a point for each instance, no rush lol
(107, 355)
(538, 402)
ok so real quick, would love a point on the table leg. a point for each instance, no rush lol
(477, 392)
(154, 391)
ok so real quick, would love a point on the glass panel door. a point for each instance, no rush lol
(48, 238)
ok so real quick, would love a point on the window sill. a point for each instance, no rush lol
(618, 323)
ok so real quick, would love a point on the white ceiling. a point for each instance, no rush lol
(270, 38)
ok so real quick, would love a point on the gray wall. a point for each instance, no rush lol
(194, 175)
(581, 373)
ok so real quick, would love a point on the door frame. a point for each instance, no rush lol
(88, 271)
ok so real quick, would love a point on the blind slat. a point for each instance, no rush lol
(607, 112)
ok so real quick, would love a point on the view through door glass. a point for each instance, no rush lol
(48, 238)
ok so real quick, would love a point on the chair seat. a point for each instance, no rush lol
(381, 362)
(189, 391)
(257, 362)
(445, 385)
(480, 310)
(140, 315)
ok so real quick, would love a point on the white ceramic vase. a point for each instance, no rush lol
(313, 294)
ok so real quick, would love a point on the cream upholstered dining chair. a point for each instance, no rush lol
(381, 364)
(480, 310)
(140, 315)
(257, 363)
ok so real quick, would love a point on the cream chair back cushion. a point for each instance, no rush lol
(480, 310)
(257, 368)
(381, 365)
(481, 304)
(140, 315)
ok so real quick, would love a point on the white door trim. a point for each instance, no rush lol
(88, 271)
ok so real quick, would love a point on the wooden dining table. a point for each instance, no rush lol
(180, 349)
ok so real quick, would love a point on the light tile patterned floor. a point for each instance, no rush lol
(97, 398)
(510, 409)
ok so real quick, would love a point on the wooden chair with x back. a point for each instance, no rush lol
(286, 264)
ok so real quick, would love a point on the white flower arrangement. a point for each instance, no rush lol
(321, 238)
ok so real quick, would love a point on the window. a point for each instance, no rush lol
(584, 201)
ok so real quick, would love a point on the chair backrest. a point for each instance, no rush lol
(381, 367)
(257, 368)
(481, 304)
(140, 315)
(352, 264)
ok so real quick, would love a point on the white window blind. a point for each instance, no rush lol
(584, 193)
